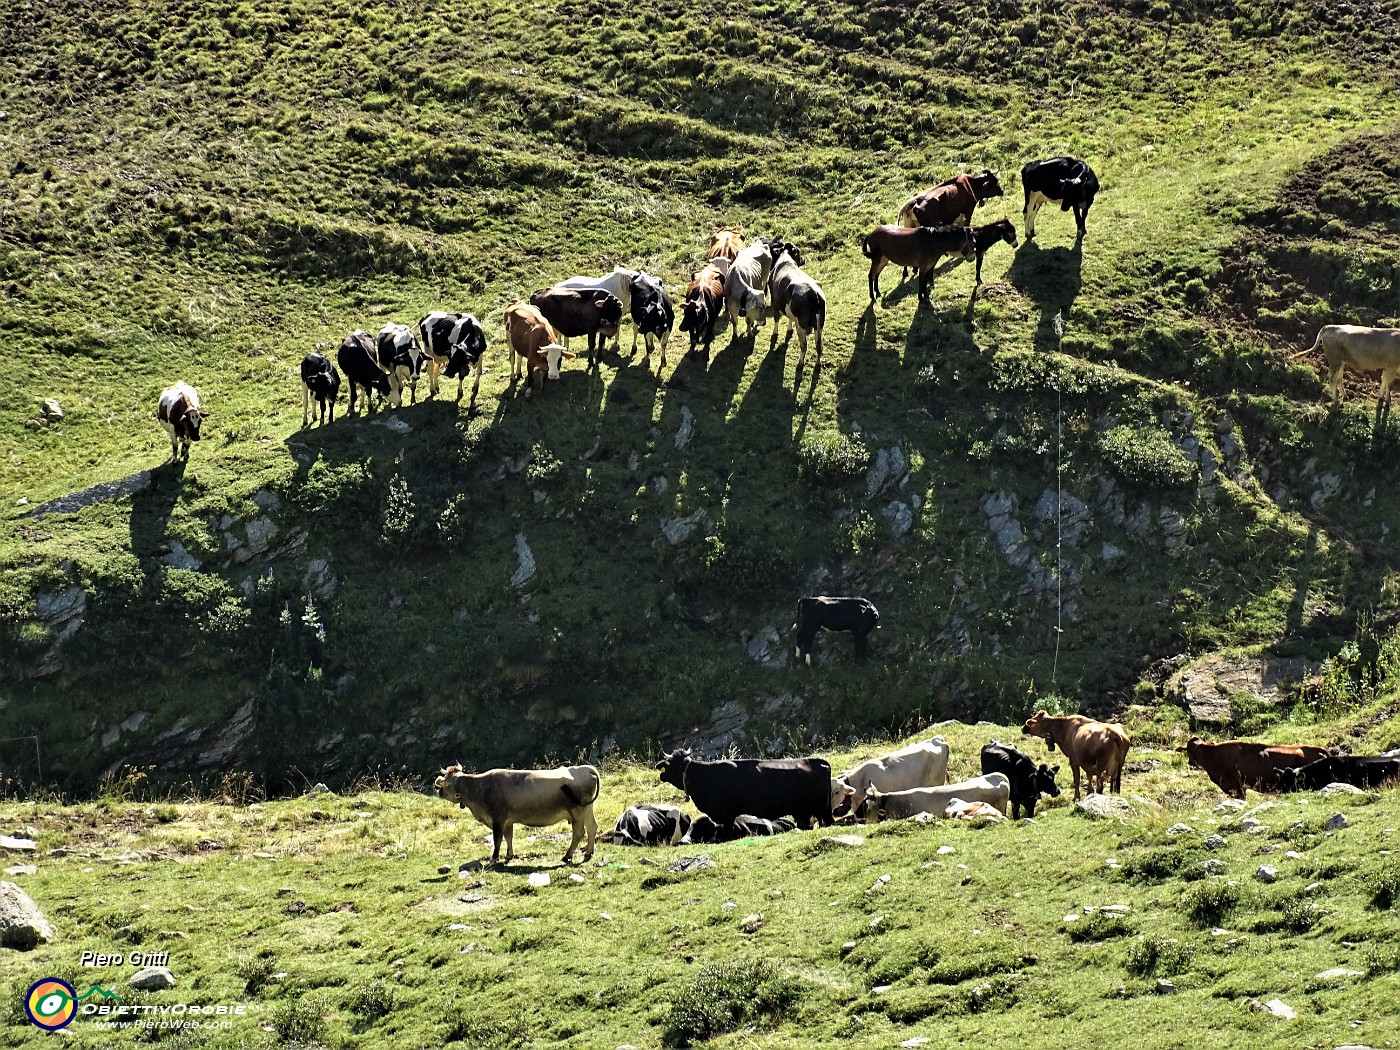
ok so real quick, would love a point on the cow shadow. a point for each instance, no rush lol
(1051, 278)
(151, 509)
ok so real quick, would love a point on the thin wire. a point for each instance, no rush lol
(1059, 517)
(38, 764)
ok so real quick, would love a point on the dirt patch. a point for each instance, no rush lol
(1208, 684)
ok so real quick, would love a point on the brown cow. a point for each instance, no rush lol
(1098, 748)
(704, 302)
(922, 248)
(1235, 765)
(726, 243)
(533, 340)
(950, 203)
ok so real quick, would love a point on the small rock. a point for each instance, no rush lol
(539, 879)
(918, 1040)
(22, 869)
(1181, 829)
(752, 923)
(1214, 842)
(318, 789)
(1230, 805)
(152, 979)
(685, 865)
(1278, 1008)
(1336, 821)
(1164, 986)
(458, 926)
(878, 884)
(22, 924)
(1293, 854)
(444, 869)
(1342, 789)
(605, 916)
(844, 840)
(848, 946)
(1337, 973)
(17, 845)
(1249, 823)
(1213, 866)
(576, 877)
(1100, 807)
(943, 851)
(1265, 873)
(53, 412)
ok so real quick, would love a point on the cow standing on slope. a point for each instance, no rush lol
(1028, 781)
(1066, 181)
(454, 345)
(179, 413)
(537, 798)
(320, 380)
(799, 788)
(653, 316)
(402, 358)
(361, 367)
(794, 295)
(858, 616)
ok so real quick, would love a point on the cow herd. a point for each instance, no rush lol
(741, 798)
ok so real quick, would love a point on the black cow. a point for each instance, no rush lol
(725, 790)
(319, 379)
(357, 360)
(744, 826)
(1028, 781)
(581, 311)
(1358, 770)
(794, 295)
(456, 339)
(857, 615)
(1065, 181)
(649, 825)
(652, 314)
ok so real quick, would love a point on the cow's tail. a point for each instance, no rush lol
(573, 796)
(1317, 343)
(906, 213)
(865, 248)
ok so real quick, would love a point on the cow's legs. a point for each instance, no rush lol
(876, 265)
(576, 826)
(1076, 783)
(433, 370)
(305, 401)
(1081, 212)
(590, 825)
(1034, 199)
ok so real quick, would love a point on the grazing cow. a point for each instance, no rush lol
(794, 295)
(319, 379)
(537, 798)
(726, 243)
(454, 345)
(649, 825)
(1028, 781)
(653, 316)
(1362, 350)
(618, 284)
(993, 789)
(704, 830)
(950, 203)
(821, 612)
(580, 311)
(922, 764)
(1096, 748)
(922, 248)
(535, 342)
(983, 237)
(361, 367)
(1235, 765)
(1364, 771)
(402, 359)
(747, 282)
(179, 413)
(1065, 181)
(703, 302)
(723, 790)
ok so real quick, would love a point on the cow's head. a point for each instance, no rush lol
(986, 185)
(554, 353)
(754, 302)
(1290, 779)
(841, 794)
(694, 315)
(446, 784)
(873, 808)
(1045, 780)
(673, 767)
(609, 312)
(1194, 749)
(1039, 725)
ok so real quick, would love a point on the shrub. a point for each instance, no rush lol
(831, 459)
(256, 972)
(1146, 456)
(1098, 926)
(372, 1000)
(1384, 887)
(1207, 903)
(725, 996)
(1149, 955)
(300, 1021)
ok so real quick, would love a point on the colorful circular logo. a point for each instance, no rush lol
(51, 1004)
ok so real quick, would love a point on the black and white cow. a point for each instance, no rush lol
(794, 295)
(1028, 781)
(361, 367)
(1065, 181)
(649, 825)
(725, 790)
(179, 413)
(704, 830)
(402, 358)
(320, 380)
(820, 612)
(1363, 771)
(454, 345)
(652, 314)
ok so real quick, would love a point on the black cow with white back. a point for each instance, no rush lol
(858, 616)
(1028, 781)
(1066, 181)
(727, 789)
(360, 364)
(703, 830)
(652, 314)
(1363, 771)
(320, 380)
(647, 824)
(454, 345)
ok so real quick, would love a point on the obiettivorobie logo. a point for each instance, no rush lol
(53, 1003)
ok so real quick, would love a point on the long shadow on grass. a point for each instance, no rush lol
(1050, 278)
(151, 508)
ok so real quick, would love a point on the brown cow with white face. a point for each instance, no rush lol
(534, 341)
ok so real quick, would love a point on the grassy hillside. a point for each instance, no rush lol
(209, 191)
(365, 920)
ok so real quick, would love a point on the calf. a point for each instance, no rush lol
(1028, 781)
(649, 825)
(618, 284)
(1065, 181)
(361, 367)
(983, 237)
(1098, 749)
(993, 789)
(653, 317)
(723, 790)
(580, 311)
(401, 358)
(534, 342)
(1236, 765)
(319, 379)
(704, 830)
(454, 345)
(921, 247)
(703, 302)
(794, 295)
(1363, 771)
(821, 612)
(179, 413)
(537, 798)
(923, 764)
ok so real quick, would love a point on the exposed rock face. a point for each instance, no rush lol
(525, 570)
(1208, 683)
(22, 924)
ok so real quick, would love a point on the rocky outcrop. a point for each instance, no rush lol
(1208, 683)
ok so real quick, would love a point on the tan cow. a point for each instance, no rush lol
(534, 341)
(922, 764)
(1099, 749)
(537, 798)
(991, 788)
(726, 243)
(1361, 350)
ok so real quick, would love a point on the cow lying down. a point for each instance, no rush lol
(646, 824)
(992, 788)
(704, 830)
(537, 798)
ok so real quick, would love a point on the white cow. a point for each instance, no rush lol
(617, 283)
(747, 283)
(537, 798)
(923, 764)
(992, 788)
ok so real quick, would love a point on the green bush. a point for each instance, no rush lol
(300, 1021)
(1207, 903)
(1384, 887)
(1145, 455)
(832, 459)
(725, 996)
(371, 1000)
(1167, 955)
